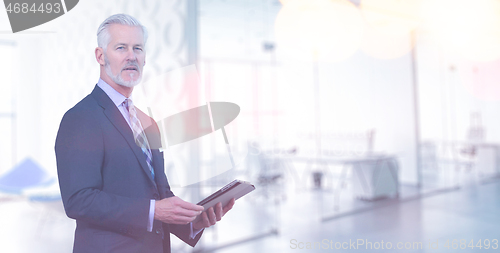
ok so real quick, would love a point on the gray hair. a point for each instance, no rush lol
(103, 36)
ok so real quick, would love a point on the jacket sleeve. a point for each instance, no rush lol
(80, 156)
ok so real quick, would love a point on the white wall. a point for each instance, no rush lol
(357, 94)
(54, 64)
(447, 97)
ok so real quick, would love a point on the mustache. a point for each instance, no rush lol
(132, 64)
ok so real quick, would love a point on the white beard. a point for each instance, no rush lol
(118, 78)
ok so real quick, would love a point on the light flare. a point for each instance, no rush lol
(319, 29)
(469, 28)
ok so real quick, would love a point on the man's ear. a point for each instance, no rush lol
(99, 56)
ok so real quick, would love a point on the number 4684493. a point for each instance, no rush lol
(18, 8)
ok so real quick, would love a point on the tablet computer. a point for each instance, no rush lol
(236, 189)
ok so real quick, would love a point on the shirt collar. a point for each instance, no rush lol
(114, 95)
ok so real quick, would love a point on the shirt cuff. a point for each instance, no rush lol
(193, 234)
(152, 216)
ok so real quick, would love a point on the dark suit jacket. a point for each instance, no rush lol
(106, 185)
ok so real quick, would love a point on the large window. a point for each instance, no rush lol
(7, 108)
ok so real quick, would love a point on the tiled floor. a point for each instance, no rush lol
(27, 226)
(470, 213)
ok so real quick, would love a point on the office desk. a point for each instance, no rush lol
(374, 176)
(484, 158)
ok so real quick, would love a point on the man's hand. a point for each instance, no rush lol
(176, 211)
(211, 216)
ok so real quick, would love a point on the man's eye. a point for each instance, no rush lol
(138, 48)
(120, 48)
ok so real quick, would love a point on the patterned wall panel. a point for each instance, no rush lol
(68, 69)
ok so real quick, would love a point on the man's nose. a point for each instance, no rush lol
(131, 56)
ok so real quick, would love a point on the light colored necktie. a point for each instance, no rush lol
(139, 136)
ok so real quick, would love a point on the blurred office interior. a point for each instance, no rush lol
(361, 119)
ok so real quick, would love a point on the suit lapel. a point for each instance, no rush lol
(116, 118)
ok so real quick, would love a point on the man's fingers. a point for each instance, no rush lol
(176, 211)
(218, 211)
(181, 220)
(183, 216)
(189, 206)
(228, 207)
(206, 223)
(187, 209)
(202, 223)
(187, 213)
(211, 216)
(182, 212)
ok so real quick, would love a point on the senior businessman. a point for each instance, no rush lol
(112, 182)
